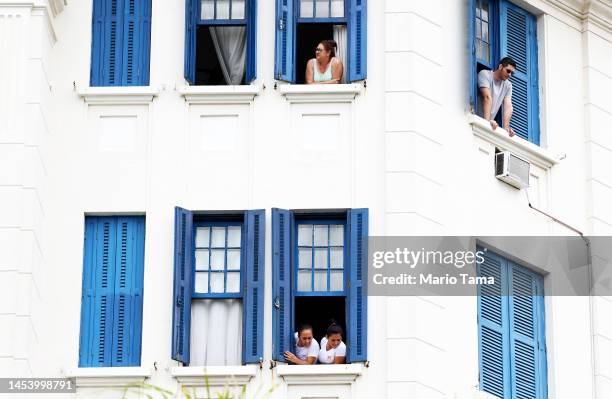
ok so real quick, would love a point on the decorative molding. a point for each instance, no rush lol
(104, 377)
(499, 138)
(320, 374)
(214, 376)
(118, 95)
(343, 93)
(237, 94)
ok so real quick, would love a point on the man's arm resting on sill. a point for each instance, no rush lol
(507, 115)
(487, 104)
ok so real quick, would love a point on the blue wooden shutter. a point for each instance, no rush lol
(281, 282)
(255, 222)
(191, 31)
(526, 333)
(107, 40)
(518, 40)
(136, 43)
(358, 300)
(251, 46)
(127, 308)
(97, 297)
(285, 33)
(493, 327)
(183, 255)
(357, 40)
(121, 41)
(473, 89)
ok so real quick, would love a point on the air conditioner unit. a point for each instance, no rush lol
(512, 169)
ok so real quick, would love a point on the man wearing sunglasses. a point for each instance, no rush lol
(496, 89)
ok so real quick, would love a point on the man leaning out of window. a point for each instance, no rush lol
(496, 89)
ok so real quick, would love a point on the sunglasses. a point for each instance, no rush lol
(509, 72)
(318, 50)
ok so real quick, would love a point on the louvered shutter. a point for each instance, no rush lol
(97, 298)
(493, 328)
(357, 40)
(191, 31)
(525, 332)
(254, 223)
(281, 282)
(107, 40)
(518, 40)
(127, 308)
(358, 300)
(136, 43)
(181, 315)
(285, 33)
(251, 46)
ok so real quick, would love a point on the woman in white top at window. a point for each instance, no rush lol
(333, 350)
(306, 347)
(325, 68)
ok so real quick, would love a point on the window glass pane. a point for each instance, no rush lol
(336, 258)
(238, 9)
(304, 280)
(223, 9)
(485, 32)
(336, 280)
(485, 11)
(337, 9)
(336, 235)
(478, 29)
(233, 236)
(208, 9)
(218, 237)
(320, 235)
(233, 282)
(217, 259)
(201, 283)
(304, 235)
(320, 258)
(216, 282)
(305, 258)
(320, 280)
(233, 259)
(322, 10)
(306, 8)
(201, 259)
(202, 236)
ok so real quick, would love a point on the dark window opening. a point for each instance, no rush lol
(308, 36)
(318, 312)
(208, 68)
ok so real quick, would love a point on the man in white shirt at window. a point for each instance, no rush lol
(495, 88)
(306, 347)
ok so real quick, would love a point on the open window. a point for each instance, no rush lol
(318, 275)
(218, 288)
(499, 28)
(220, 37)
(302, 24)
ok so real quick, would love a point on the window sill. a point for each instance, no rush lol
(320, 374)
(532, 153)
(342, 93)
(118, 95)
(217, 375)
(239, 94)
(95, 377)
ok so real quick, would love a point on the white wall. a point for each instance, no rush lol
(404, 148)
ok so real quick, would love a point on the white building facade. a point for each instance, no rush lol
(400, 141)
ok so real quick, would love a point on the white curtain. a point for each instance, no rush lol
(230, 45)
(340, 36)
(216, 332)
